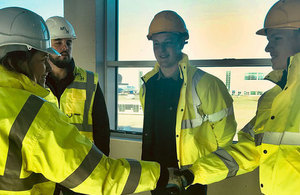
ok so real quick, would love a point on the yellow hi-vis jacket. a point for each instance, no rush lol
(40, 148)
(205, 119)
(76, 101)
(271, 140)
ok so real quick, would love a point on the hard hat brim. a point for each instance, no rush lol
(52, 51)
(262, 32)
(184, 34)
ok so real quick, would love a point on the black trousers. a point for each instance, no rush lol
(196, 189)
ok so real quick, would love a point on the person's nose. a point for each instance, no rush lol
(163, 47)
(65, 47)
(268, 47)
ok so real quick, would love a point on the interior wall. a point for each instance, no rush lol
(82, 16)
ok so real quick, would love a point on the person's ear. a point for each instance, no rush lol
(182, 42)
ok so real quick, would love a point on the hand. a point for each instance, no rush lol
(186, 175)
(175, 185)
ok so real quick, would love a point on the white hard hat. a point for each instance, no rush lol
(282, 15)
(22, 30)
(60, 28)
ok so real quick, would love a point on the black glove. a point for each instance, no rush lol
(175, 185)
(186, 176)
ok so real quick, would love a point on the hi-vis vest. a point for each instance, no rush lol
(271, 140)
(205, 119)
(77, 100)
(40, 148)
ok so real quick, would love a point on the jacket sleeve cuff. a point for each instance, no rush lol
(164, 177)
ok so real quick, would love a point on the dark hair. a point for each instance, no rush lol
(16, 58)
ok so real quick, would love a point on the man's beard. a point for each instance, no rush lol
(65, 63)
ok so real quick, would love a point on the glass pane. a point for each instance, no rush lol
(218, 29)
(46, 8)
(245, 93)
(130, 113)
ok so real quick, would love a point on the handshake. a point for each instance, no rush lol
(178, 180)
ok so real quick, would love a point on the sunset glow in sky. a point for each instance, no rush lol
(218, 29)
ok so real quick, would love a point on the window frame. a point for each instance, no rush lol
(114, 65)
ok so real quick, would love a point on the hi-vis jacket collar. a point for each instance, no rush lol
(182, 64)
(280, 77)
(17, 80)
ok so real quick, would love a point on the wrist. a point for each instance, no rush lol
(164, 177)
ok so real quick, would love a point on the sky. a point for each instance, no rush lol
(218, 28)
(45, 8)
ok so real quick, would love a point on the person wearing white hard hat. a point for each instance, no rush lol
(271, 140)
(74, 90)
(188, 113)
(39, 147)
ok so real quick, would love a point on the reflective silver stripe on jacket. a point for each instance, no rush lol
(217, 116)
(89, 86)
(11, 181)
(79, 85)
(281, 138)
(192, 123)
(276, 138)
(80, 127)
(84, 170)
(186, 124)
(228, 160)
(89, 94)
(134, 176)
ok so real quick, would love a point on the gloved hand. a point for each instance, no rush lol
(186, 176)
(175, 185)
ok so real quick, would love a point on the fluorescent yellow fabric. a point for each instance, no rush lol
(55, 149)
(73, 100)
(215, 131)
(271, 140)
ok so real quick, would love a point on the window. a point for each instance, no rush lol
(218, 29)
(130, 113)
(40, 7)
(222, 42)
